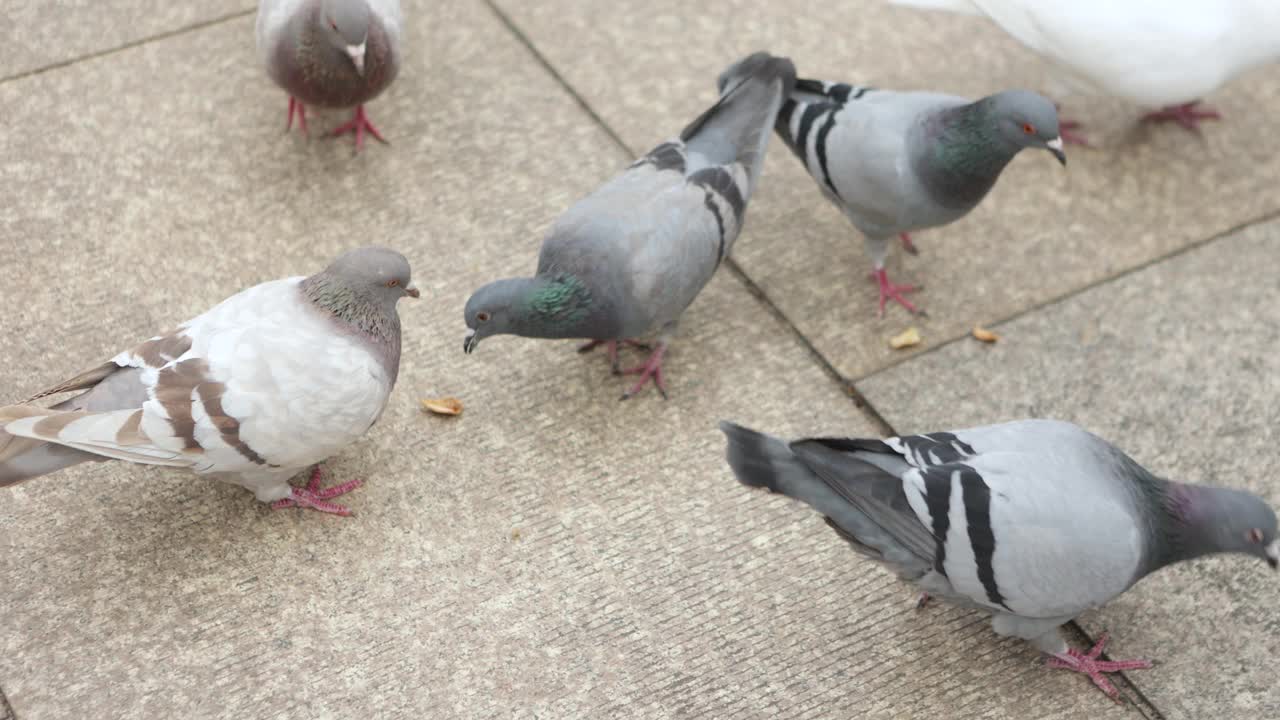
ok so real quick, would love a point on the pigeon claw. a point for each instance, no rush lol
(1069, 132)
(650, 370)
(889, 291)
(612, 347)
(1089, 664)
(359, 124)
(1187, 115)
(296, 106)
(907, 245)
(317, 498)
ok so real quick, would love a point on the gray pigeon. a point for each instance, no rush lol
(626, 261)
(894, 162)
(1034, 521)
(331, 53)
(268, 382)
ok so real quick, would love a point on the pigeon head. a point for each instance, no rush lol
(345, 24)
(1027, 120)
(532, 307)
(1218, 520)
(361, 288)
(378, 273)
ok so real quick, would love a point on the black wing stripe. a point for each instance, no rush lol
(937, 448)
(977, 515)
(711, 205)
(820, 149)
(810, 116)
(667, 156)
(937, 497)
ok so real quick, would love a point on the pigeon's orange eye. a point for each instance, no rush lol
(482, 316)
(1255, 535)
(1028, 128)
(393, 283)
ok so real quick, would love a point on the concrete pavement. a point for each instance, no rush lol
(552, 552)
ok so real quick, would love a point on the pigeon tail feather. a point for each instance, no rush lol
(760, 460)
(736, 128)
(865, 517)
(112, 434)
(25, 458)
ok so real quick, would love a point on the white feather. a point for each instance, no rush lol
(1153, 52)
(299, 388)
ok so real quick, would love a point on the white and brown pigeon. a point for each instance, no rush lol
(332, 54)
(267, 383)
(1034, 521)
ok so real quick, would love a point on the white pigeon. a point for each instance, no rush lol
(268, 382)
(1033, 521)
(1164, 55)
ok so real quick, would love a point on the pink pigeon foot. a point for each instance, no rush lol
(612, 347)
(651, 369)
(359, 124)
(1068, 131)
(296, 106)
(908, 245)
(317, 498)
(889, 291)
(1089, 664)
(1187, 115)
(922, 602)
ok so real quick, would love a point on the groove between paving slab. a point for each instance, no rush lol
(127, 46)
(1143, 704)
(6, 710)
(755, 290)
(1123, 274)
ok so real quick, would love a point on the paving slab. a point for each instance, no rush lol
(1183, 377)
(1040, 234)
(550, 553)
(36, 35)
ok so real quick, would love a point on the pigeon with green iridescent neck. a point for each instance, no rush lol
(624, 262)
(895, 162)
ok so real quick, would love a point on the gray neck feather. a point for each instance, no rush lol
(359, 313)
(960, 153)
(1183, 522)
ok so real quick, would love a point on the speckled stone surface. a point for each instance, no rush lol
(35, 34)
(1184, 377)
(549, 553)
(1042, 233)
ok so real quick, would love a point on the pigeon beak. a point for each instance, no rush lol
(1055, 147)
(1273, 554)
(470, 341)
(357, 56)
(412, 292)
